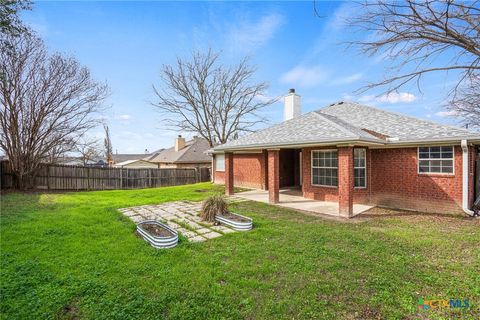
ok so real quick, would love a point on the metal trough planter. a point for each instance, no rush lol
(245, 225)
(158, 242)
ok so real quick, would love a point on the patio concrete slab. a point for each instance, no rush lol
(293, 199)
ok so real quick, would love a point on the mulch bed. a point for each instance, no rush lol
(233, 217)
(156, 230)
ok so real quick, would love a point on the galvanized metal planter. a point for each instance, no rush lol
(158, 242)
(236, 225)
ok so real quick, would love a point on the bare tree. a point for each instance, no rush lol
(107, 143)
(466, 104)
(47, 103)
(217, 102)
(89, 150)
(423, 37)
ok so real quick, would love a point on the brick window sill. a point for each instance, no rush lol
(433, 175)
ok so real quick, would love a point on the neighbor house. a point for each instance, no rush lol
(184, 154)
(355, 154)
(136, 164)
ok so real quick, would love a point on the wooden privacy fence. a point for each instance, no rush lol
(64, 177)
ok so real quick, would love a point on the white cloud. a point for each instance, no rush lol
(397, 97)
(444, 114)
(124, 117)
(339, 19)
(266, 98)
(349, 79)
(305, 76)
(393, 97)
(248, 35)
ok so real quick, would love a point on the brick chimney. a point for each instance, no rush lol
(179, 143)
(292, 107)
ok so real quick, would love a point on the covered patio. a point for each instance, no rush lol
(281, 169)
(292, 198)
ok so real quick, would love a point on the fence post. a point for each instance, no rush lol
(48, 177)
(88, 178)
(149, 178)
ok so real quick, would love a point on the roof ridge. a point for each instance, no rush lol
(325, 116)
(397, 114)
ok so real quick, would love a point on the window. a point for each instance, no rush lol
(220, 162)
(435, 160)
(325, 168)
(360, 167)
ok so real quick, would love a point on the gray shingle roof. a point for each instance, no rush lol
(121, 157)
(193, 152)
(346, 121)
(393, 124)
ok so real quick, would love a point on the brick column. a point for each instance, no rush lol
(273, 176)
(228, 174)
(345, 181)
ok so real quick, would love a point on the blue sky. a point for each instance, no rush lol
(126, 43)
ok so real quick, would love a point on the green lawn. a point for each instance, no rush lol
(73, 255)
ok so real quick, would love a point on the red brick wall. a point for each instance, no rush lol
(396, 183)
(393, 181)
(248, 171)
(274, 176)
(345, 181)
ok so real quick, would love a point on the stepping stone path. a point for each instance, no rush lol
(182, 216)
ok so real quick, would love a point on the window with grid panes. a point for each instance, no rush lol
(360, 167)
(435, 160)
(325, 168)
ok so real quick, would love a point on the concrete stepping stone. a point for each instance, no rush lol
(137, 218)
(222, 229)
(202, 230)
(197, 239)
(211, 235)
(189, 234)
(193, 224)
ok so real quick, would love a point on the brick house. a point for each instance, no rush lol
(183, 154)
(355, 154)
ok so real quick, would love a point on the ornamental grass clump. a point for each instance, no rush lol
(212, 206)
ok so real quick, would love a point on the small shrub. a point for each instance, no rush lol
(212, 206)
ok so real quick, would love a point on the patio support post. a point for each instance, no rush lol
(345, 181)
(228, 174)
(273, 176)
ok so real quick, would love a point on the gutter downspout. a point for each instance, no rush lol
(465, 164)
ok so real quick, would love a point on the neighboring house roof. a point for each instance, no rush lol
(193, 152)
(348, 122)
(125, 163)
(153, 154)
(121, 157)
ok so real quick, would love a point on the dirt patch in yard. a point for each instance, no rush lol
(454, 221)
(156, 230)
(70, 311)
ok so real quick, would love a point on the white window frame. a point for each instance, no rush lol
(436, 173)
(216, 162)
(364, 187)
(311, 168)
